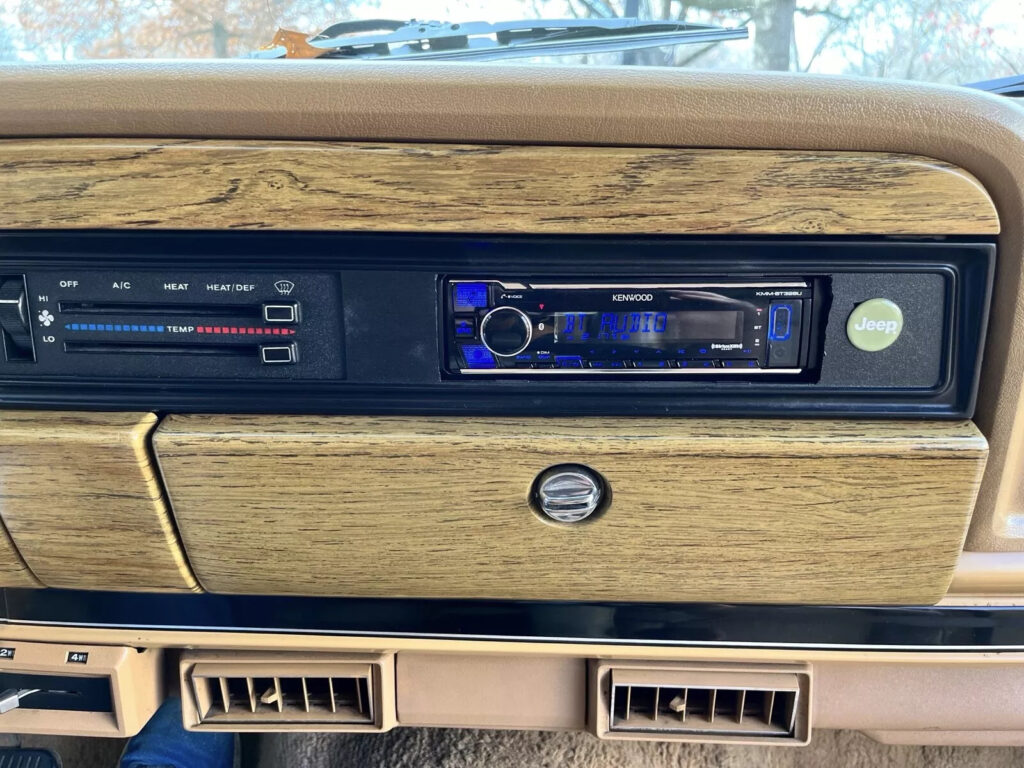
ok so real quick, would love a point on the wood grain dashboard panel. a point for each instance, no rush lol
(210, 184)
(729, 510)
(13, 571)
(83, 504)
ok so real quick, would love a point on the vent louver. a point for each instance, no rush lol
(703, 704)
(283, 692)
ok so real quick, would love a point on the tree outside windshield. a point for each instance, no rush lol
(933, 40)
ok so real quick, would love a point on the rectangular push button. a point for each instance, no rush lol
(780, 322)
(281, 313)
(739, 364)
(283, 354)
(465, 327)
(784, 320)
(477, 356)
(467, 297)
(695, 363)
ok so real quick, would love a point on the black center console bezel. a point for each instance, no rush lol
(404, 376)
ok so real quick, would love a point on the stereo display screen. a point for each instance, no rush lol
(653, 328)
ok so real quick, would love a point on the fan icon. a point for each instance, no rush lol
(46, 318)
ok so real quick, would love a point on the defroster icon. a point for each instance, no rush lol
(284, 287)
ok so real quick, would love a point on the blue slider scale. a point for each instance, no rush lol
(114, 327)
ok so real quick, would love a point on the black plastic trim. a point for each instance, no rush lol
(411, 257)
(872, 628)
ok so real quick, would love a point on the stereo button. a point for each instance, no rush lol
(695, 363)
(785, 320)
(477, 356)
(739, 364)
(465, 327)
(467, 297)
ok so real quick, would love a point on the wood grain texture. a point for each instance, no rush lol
(80, 497)
(201, 185)
(13, 571)
(731, 510)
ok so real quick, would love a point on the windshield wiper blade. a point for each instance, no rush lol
(1005, 86)
(483, 41)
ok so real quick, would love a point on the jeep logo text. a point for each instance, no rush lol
(886, 326)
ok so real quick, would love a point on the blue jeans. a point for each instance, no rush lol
(164, 743)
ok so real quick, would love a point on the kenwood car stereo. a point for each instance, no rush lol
(709, 326)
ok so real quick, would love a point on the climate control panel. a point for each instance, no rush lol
(172, 323)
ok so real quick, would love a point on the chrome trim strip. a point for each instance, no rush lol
(632, 286)
(654, 286)
(507, 286)
(624, 371)
(520, 638)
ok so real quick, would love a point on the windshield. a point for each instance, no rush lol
(951, 41)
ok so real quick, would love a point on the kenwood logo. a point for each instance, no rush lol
(632, 297)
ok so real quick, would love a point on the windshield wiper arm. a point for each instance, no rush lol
(1005, 86)
(483, 41)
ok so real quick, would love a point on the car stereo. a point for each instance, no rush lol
(707, 326)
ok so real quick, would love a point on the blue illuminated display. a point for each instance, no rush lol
(650, 328)
(478, 356)
(469, 296)
(611, 326)
(780, 323)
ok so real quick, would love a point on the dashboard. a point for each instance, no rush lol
(498, 388)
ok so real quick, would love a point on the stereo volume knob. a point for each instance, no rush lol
(506, 331)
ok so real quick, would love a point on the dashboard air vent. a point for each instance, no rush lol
(698, 703)
(288, 692)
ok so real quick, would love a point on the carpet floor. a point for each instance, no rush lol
(443, 748)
